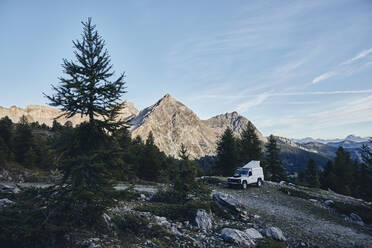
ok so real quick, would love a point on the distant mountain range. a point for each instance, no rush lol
(172, 124)
(351, 137)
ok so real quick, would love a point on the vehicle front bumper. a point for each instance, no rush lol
(234, 181)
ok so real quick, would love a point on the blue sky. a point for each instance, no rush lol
(294, 68)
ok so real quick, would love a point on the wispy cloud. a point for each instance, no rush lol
(347, 67)
(356, 111)
(253, 101)
(260, 98)
(359, 56)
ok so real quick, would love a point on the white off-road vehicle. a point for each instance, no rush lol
(250, 173)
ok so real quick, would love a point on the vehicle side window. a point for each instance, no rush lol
(250, 173)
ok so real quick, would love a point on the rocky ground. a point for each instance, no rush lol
(275, 215)
(308, 217)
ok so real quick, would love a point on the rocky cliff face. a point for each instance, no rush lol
(172, 123)
(46, 114)
(233, 120)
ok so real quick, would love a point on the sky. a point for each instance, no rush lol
(294, 68)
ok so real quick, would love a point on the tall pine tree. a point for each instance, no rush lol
(150, 168)
(312, 178)
(88, 90)
(328, 177)
(343, 169)
(250, 145)
(365, 178)
(185, 182)
(227, 153)
(273, 162)
(23, 143)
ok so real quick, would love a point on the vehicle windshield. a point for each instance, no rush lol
(241, 173)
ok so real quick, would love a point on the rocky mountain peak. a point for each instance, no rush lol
(172, 123)
(233, 120)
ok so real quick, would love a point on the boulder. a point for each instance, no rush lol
(275, 233)
(107, 220)
(8, 188)
(162, 221)
(356, 219)
(253, 233)
(237, 237)
(228, 203)
(203, 219)
(5, 202)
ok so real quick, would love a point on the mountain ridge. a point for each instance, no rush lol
(350, 137)
(173, 123)
(170, 121)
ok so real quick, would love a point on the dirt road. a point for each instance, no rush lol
(300, 218)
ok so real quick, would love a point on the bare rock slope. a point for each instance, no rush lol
(46, 114)
(172, 123)
(233, 120)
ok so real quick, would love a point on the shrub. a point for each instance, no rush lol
(176, 212)
(363, 211)
(131, 227)
(126, 195)
(169, 196)
(269, 243)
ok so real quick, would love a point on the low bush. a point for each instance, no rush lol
(212, 181)
(126, 195)
(269, 243)
(175, 212)
(363, 211)
(131, 227)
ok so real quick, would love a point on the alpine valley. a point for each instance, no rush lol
(172, 124)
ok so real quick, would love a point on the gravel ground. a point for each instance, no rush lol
(299, 218)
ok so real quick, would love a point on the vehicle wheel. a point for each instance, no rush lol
(244, 185)
(259, 183)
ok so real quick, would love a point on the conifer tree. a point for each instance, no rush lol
(4, 151)
(312, 178)
(6, 130)
(250, 145)
(23, 142)
(6, 135)
(88, 89)
(187, 173)
(365, 178)
(227, 153)
(343, 170)
(367, 155)
(328, 178)
(275, 169)
(150, 168)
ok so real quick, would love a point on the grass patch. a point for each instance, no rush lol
(298, 193)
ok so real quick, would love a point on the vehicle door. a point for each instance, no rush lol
(250, 177)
